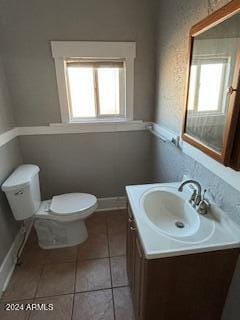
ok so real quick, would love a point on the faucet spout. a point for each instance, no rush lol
(194, 182)
(196, 197)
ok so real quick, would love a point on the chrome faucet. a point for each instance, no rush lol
(197, 199)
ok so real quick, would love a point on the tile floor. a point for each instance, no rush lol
(86, 282)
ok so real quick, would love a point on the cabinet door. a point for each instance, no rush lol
(138, 278)
(135, 263)
(130, 247)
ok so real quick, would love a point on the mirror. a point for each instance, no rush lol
(212, 86)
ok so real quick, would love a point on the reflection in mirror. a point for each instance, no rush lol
(214, 56)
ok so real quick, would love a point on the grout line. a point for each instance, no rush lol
(36, 298)
(39, 280)
(109, 258)
(113, 302)
(54, 295)
(85, 291)
(73, 301)
(74, 289)
(76, 261)
(84, 259)
(57, 263)
(110, 269)
(87, 259)
(62, 294)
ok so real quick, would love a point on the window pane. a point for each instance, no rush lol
(108, 85)
(211, 78)
(81, 87)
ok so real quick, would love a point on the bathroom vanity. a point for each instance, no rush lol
(182, 274)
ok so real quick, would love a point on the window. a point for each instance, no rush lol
(96, 89)
(208, 82)
(95, 80)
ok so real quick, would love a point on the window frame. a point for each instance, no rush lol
(122, 97)
(64, 51)
(211, 59)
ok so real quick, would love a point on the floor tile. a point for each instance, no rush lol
(94, 247)
(34, 256)
(24, 282)
(93, 275)
(57, 279)
(62, 308)
(95, 305)
(117, 222)
(117, 229)
(123, 304)
(14, 315)
(97, 223)
(61, 255)
(119, 271)
(117, 244)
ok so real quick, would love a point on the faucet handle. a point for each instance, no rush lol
(204, 204)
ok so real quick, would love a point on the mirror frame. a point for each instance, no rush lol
(233, 114)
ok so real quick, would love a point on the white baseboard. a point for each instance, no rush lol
(8, 265)
(115, 203)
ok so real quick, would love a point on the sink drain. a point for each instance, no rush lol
(179, 224)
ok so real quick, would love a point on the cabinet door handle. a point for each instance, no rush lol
(230, 90)
(132, 228)
(130, 220)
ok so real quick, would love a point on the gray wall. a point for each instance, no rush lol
(175, 20)
(27, 26)
(9, 159)
(102, 164)
(6, 114)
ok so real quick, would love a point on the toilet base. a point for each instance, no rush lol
(54, 234)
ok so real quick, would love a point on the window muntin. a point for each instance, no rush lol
(208, 78)
(95, 89)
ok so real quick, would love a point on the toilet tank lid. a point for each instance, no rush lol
(21, 177)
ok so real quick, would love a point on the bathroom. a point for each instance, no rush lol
(148, 42)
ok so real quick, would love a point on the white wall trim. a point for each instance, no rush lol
(8, 136)
(227, 174)
(114, 203)
(84, 128)
(8, 265)
(59, 128)
(93, 49)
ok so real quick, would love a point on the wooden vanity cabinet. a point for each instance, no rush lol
(135, 266)
(189, 287)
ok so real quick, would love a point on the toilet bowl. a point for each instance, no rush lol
(59, 222)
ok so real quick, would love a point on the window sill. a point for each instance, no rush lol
(98, 126)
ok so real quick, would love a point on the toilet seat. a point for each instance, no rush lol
(72, 203)
(68, 207)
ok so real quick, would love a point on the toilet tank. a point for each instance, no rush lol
(23, 192)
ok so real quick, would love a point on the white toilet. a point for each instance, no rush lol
(59, 222)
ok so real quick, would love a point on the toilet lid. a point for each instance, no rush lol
(71, 203)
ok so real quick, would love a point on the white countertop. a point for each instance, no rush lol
(225, 234)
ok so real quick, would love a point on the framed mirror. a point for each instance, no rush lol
(212, 111)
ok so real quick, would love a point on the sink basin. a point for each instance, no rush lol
(171, 213)
(169, 226)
